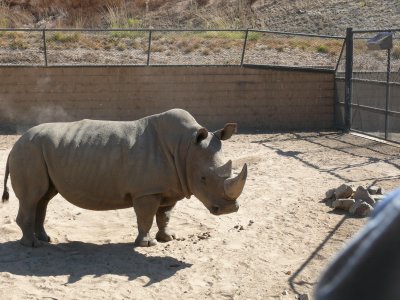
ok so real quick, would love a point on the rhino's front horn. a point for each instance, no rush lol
(234, 186)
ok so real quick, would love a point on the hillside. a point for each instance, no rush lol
(318, 16)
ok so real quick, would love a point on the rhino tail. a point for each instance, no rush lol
(6, 194)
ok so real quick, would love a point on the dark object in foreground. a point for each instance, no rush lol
(369, 265)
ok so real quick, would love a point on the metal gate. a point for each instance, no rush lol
(368, 83)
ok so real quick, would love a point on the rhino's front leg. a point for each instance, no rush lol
(145, 209)
(163, 215)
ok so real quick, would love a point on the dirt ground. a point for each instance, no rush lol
(274, 247)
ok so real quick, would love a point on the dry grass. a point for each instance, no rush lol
(203, 43)
(304, 16)
(396, 52)
(286, 15)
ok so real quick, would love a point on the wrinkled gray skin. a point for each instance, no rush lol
(148, 164)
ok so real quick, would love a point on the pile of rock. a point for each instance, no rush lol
(359, 202)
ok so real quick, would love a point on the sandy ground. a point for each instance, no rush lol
(274, 247)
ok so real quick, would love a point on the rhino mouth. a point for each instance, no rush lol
(217, 210)
(214, 210)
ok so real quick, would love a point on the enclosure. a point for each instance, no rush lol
(291, 97)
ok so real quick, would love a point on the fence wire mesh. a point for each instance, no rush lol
(63, 47)
(21, 47)
(196, 48)
(96, 47)
(376, 87)
(293, 50)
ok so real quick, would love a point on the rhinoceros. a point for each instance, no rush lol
(148, 164)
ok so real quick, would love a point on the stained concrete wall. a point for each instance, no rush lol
(258, 99)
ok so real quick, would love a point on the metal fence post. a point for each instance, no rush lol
(244, 47)
(387, 94)
(44, 47)
(348, 78)
(149, 48)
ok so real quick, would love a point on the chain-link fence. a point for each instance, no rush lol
(83, 47)
(293, 50)
(368, 83)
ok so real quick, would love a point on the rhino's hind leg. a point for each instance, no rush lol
(26, 221)
(41, 215)
(29, 206)
(145, 209)
(31, 184)
(164, 234)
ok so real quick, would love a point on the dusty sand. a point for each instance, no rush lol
(274, 248)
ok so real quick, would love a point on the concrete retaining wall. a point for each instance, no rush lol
(256, 98)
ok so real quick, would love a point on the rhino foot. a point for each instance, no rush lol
(34, 243)
(145, 243)
(165, 236)
(43, 237)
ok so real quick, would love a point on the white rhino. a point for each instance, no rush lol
(149, 164)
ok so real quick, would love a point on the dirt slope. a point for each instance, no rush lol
(319, 16)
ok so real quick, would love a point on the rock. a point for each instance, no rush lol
(362, 194)
(329, 202)
(343, 191)
(285, 292)
(343, 203)
(361, 209)
(378, 197)
(304, 297)
(353, 208)
(375, 190)
(364, 210)
(330, 194)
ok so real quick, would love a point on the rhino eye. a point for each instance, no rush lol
(203, 179)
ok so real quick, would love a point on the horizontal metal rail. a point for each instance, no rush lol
(374, 81)
(291, 68)
(375, 30)
(122, 29)
(297, 34)
(373, 109)
(172, 30)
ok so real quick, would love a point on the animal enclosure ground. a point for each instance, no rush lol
(274, 247)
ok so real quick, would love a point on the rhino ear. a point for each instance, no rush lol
(201, 134)
(226, 133)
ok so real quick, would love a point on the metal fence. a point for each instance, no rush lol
(149, 47)
(368, 83)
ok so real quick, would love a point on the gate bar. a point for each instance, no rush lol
(387, 94)
(348, 78)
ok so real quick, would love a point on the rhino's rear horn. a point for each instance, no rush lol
(234, 186)
(225, 170)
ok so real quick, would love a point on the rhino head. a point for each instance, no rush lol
(210, 179)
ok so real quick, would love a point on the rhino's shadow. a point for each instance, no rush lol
(77, 259)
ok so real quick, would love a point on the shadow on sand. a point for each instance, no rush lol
(78, 259)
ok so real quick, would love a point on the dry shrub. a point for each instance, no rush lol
(182, 44)
(158, 48)
(205, 51)
(202, 2)
(396, 52)
(13, 18)
(150, 4)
